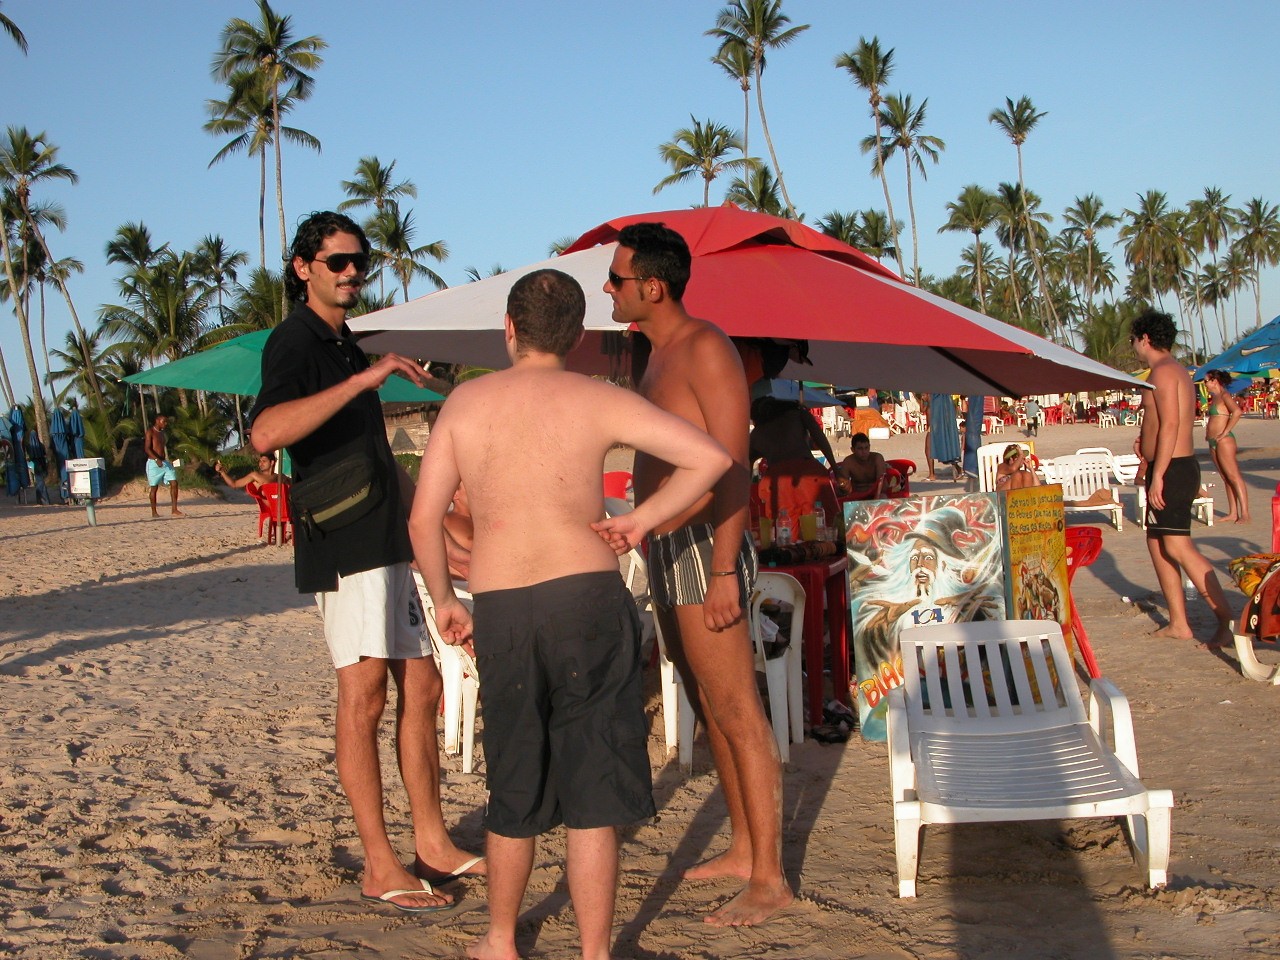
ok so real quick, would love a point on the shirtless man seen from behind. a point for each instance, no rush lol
(557, 638)
(695, 372)
(1173, 479)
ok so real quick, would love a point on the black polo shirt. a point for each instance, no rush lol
(303, 356)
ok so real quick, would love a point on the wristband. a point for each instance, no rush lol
(724, 573)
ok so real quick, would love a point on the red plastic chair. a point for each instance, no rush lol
(905, 469)
(617, 483)
(254, 490)
(273, 507)
(1083, 546)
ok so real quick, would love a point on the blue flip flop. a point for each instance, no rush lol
(426, 888)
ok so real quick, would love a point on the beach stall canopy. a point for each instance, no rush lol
(235, 366)
(1257, 355)
(764, 277)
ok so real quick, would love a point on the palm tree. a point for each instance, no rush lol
(258, 303)
(1237, 273)
(904, 123)
(1145, 234)
(269, 49)
(216, 265)
(1017, 120)
(375, 184)
(1015, 221)
(870, 67)
(1259, 240)
(557, 247)
(1210, 222)
(979, 264)
(247, 117)
(735, 60)
(757, 191)
(842, 226)
(757, 25)
(25, 162)
(392, 237)
(1084, 219)
(700, 151)
(875, 235)
(12, 30)
(972, 212)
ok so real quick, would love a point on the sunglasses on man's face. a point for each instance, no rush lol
(338, 262)
(617, 281)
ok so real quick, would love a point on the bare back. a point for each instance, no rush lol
(696, 375)
(1171, 403)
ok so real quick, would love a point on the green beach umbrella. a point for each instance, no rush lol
(235, 366)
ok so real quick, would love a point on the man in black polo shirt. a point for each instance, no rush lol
(319, 399)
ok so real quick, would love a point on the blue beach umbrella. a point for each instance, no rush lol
(58, 435)
(17, 478)
(1255, 356)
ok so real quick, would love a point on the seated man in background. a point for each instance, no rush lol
(783, 436)
(265, 473)
(863, 473)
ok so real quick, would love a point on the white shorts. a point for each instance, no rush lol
(375, 613)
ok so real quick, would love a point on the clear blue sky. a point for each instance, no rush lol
(523, 122)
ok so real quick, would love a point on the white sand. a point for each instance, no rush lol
(167, 785)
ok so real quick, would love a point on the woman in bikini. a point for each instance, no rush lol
(1223, 415)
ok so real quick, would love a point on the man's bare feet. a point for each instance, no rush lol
(177, 513)
(485, 949)
(1230, 518)
(1170, 632)
(751, 906)
(1224, 636)
(728, 864)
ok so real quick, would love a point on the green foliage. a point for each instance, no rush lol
(412, 463)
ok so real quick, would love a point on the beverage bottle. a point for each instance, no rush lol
(1188, 588)
(782, 528)
(820, 520)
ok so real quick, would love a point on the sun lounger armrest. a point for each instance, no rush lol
(902, 769)
(1105, 695)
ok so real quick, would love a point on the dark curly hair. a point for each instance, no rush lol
(658, 252)
(308, 241)
(1158, 327)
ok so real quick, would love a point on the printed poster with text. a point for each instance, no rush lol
(1037, 561)
(914, 561)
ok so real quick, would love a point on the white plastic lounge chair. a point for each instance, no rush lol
(1253, 668)
(461, 681)
(782, 673)
(989, 726)
(1086, 485)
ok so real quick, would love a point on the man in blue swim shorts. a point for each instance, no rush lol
(555, 630)
(1173, 479)
(159, 469)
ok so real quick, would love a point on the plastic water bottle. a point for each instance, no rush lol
(820, 520)
(1188, 588)
(782, 531)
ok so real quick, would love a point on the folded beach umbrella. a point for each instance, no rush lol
(764, 277)
(75, 433)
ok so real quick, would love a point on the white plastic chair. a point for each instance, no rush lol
(1003, 735)
(989, 456)
(1083, 477)
(1201, 506)
(782, 673)
(461, 681)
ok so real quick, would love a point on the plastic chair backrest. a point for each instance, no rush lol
(1083, 546)
(989, 456)
(279, 505)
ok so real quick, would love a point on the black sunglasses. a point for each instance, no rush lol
(338, 262)
(616, 281)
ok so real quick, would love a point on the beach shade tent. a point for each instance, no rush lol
(1257, 355)
(765, 277)
(235, 366)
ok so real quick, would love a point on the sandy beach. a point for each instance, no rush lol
(167, 785)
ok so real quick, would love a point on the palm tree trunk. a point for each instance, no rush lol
(977, 253)
(884, 182)
(44, 339)
(4, 380)
(915, 239)
(1257, 290)
(764, 125)
(262, 209)
(275, 136)
(1031, 248)
(37, 398)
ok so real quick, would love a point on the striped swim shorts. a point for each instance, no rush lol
(680, 566)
